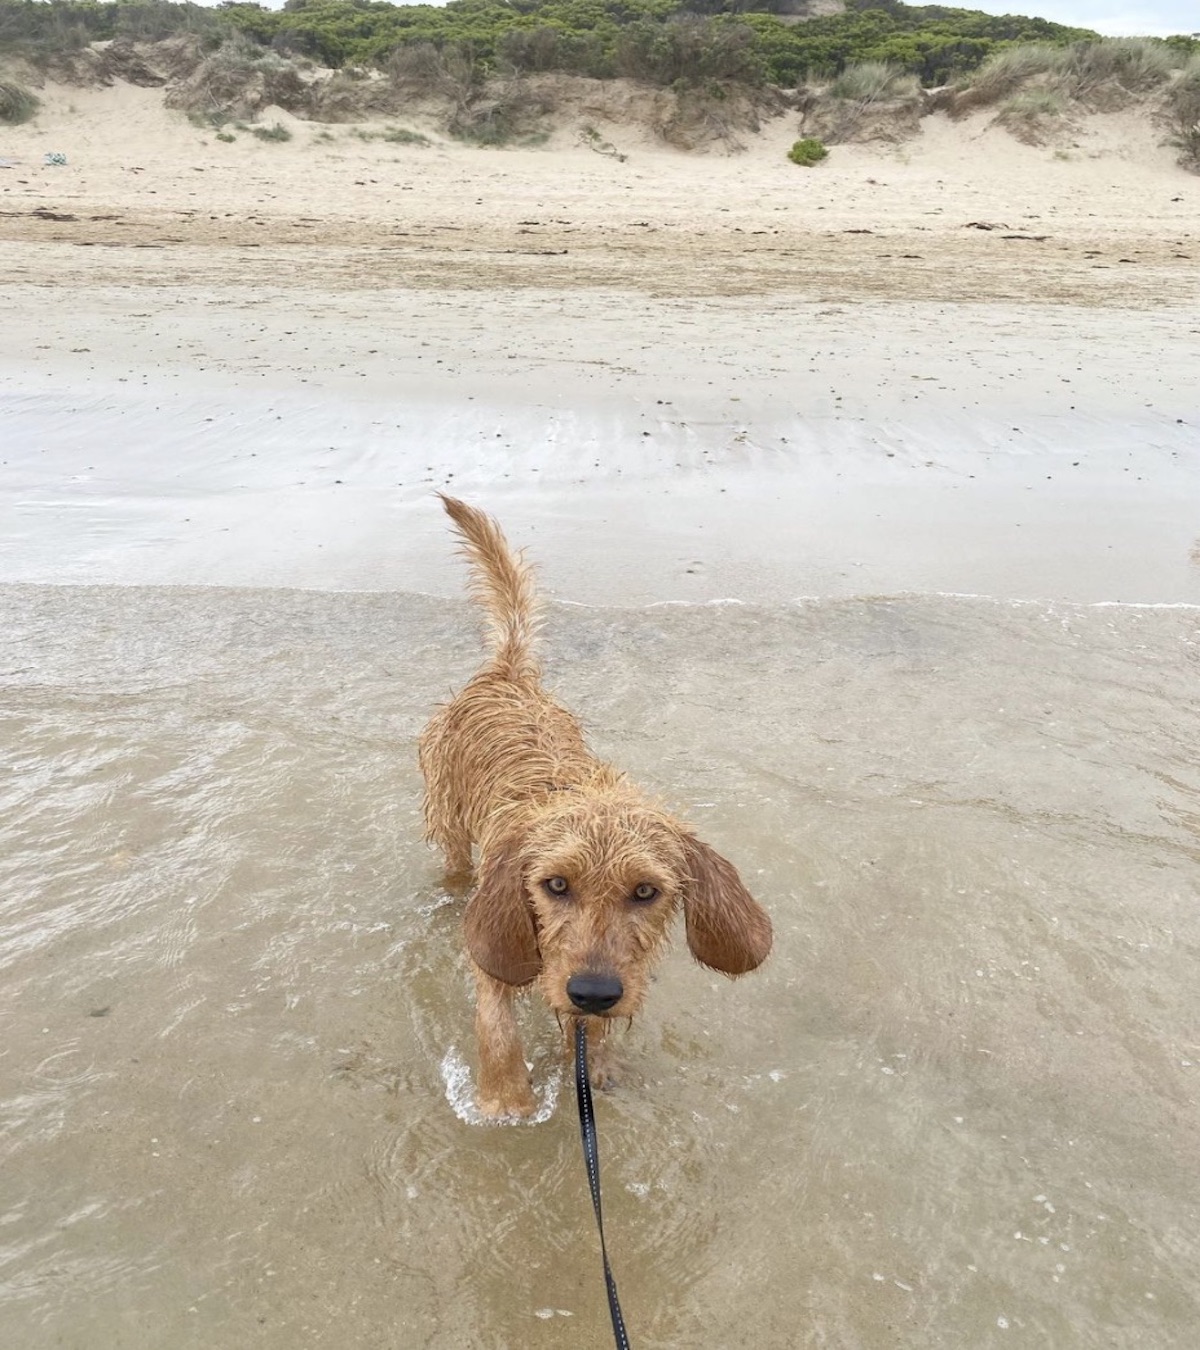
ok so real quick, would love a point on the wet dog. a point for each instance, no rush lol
(579, 873)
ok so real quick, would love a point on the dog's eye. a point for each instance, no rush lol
(645, 892)
(557, 885)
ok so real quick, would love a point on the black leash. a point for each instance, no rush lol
(591, 1156)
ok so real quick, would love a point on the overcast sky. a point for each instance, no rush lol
(1113, 17)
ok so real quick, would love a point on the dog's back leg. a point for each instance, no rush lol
(445, 814)
(455, 843)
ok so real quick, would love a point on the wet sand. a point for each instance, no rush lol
(947, 732)
(724, 449)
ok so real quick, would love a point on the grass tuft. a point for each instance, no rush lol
(1033, 115)
(872, 82)
(278, 132)
(1182, 114)
(17, 104)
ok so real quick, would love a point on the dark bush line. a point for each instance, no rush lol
(662, 42)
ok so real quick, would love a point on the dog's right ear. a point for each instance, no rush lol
(498, 923)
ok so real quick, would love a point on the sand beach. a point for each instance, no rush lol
(993, 339)
(866, 501)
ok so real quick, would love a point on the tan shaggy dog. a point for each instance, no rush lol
(580, 874)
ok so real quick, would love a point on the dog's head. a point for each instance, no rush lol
(581, 898)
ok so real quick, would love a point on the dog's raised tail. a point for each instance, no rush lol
(502, 586)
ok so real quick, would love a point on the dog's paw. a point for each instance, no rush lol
(603, 1071)
(506, 1109)
(458, 882)
(507, 1105)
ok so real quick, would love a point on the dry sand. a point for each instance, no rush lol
(960, 364)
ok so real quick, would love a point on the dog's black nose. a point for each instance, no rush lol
(594, 993)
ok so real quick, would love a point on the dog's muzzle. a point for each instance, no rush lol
(594, 994)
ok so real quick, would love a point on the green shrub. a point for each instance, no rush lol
(278, 132)
(685, 47)
(394, 135)
(1182, 110)
(555, 48)
(424, 70)
(213, 118)
(807, 152)
(238, 79)
(745, 41)
(17, 104)
(494, 126)
(871, 51)
(403, 136)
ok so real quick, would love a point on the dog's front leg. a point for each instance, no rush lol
(603, 1066)
(504, 1087)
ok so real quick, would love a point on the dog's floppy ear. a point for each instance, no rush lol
(726, 927)
(498, 923)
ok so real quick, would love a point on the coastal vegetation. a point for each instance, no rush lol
(871, 70)
(17, 104)
(807, 151)
(660, 41)
(1183, 113)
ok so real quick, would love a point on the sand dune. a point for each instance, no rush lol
(963, 212)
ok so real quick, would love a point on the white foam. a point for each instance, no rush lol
(460, 1093)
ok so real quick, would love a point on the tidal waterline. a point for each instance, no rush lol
(646, 448)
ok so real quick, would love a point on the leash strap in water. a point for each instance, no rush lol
(591, 1156)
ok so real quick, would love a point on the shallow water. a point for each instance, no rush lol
(957, 1108)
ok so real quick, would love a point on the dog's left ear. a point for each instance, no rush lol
(498, 922)
(727, 928)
